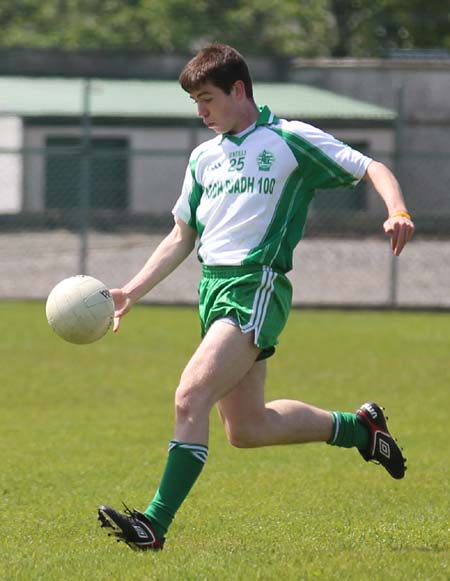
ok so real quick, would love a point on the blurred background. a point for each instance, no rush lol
(95, 134)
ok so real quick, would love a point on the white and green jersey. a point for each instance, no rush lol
(247, 195)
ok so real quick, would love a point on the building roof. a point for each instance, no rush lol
(49, 97)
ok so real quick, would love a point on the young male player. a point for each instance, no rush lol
(245, 196)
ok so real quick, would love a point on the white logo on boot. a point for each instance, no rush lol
(385, 449)
(371, 411)
(140, 532)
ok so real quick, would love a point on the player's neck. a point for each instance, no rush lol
(247, 117)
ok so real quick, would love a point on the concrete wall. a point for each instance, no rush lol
(427, 84)
(421, 90)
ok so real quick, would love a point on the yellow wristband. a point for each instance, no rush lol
(401, 214)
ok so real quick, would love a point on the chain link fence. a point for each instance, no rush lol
(96, 204)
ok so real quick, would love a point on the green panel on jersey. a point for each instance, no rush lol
(315, 170)
(194, 197)
(286, 227)
(194, 200)
(323, 172)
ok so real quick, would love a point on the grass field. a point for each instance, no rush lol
(82, 426)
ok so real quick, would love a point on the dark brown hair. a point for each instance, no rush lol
(218, 64)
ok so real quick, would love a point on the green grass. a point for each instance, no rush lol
(87, 425)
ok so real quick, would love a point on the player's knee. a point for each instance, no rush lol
(189, 402)
(183, 402)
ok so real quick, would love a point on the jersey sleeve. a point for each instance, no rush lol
(186, 206)
(182, 209)
(325, 161)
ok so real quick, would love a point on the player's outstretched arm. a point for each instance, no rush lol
(399, 225)
(170, 253)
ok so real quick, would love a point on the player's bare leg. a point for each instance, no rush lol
(251, 422)
(221, 361)
(223, 371)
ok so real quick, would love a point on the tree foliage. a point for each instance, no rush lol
(368, 28)
(290, 28)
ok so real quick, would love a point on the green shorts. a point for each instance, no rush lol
(256, 297)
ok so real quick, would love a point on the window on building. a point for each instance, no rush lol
(104, 173)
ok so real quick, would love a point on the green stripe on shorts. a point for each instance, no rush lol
(257, 297)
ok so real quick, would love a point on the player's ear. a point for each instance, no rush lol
(238, 89)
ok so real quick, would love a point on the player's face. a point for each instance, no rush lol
(219, 111)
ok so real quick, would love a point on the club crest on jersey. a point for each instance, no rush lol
(265, 160)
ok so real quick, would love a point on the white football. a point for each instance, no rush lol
(80, 309)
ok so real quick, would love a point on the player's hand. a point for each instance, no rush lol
(401, 230)
(122, 304)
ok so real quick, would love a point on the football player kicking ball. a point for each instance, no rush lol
(245, 196)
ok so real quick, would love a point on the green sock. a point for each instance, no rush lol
(348, 431)
(184, 464)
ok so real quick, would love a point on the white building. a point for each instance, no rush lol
(140, 134)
